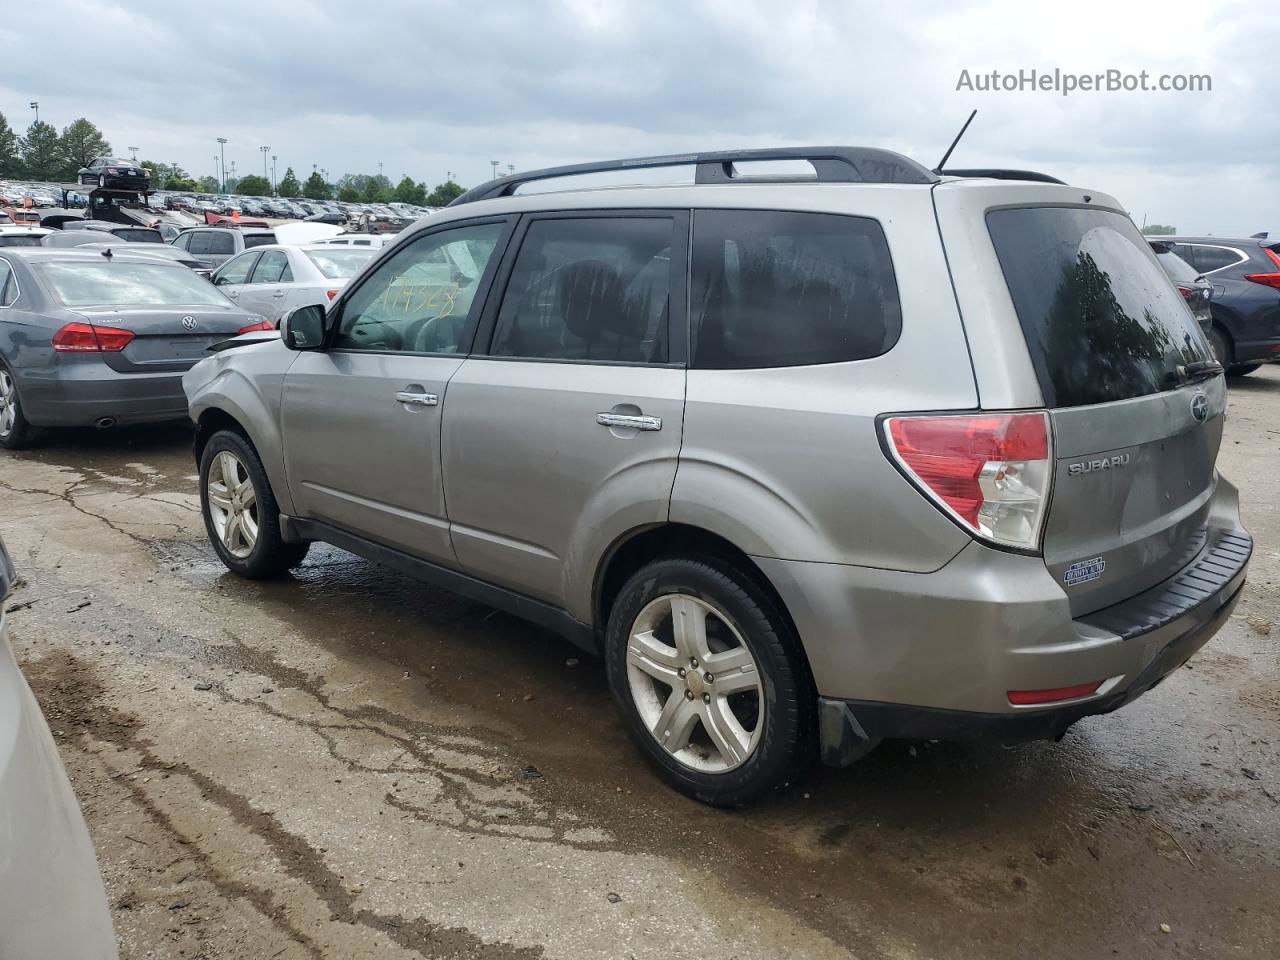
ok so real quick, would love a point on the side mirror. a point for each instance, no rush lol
(303, 328)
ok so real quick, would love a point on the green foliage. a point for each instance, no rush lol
(163, 175)
(185, 184)
(1159, 230)
(409, 192)
(10, 163)
(81, 143)
(42, 155)
(376, 190)
(289, 185)
(348, 194)
(208, 185)
(315, 188)
(444, 194)
(254, 186)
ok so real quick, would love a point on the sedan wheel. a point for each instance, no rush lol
(8, 404)
(233, 504)
(695, 683)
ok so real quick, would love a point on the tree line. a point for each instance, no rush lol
(44, 154)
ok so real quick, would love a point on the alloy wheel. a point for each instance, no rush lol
(695, 683)
(8, 403)
(233, 504)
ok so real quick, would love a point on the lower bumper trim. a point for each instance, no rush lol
(849, 728)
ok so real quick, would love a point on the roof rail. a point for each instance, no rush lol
(832, 165)
(998, 174)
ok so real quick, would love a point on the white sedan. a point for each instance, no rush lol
(52, 903)
(272, 280)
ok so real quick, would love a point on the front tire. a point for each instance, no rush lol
(240, 511)
(712, 684)
(15, 432)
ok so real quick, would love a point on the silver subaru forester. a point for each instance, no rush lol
(811, 460)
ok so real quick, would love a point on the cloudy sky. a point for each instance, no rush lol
(431, 86)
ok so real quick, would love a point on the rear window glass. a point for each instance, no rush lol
(120, 283)
(258, 239)
(777, 289)
(336, 264)
(1176, 267)
(138, 236)
(19, 240)
(1101, 321)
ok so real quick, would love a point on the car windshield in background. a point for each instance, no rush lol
(338, 263)
(258, 239)
(119, 283)
(1101, 321)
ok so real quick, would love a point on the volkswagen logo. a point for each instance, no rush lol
(190, 324)
(1200, 407)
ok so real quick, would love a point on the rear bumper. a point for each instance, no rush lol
(934, 655)
(82, 394)
(1257, 351)
(52, 902)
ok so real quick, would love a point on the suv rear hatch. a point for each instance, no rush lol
(1136, 410)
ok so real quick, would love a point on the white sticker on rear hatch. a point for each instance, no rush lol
(1082, 571)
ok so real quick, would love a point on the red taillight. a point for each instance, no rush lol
(260, 325)
(1027, 698)
(990, 471)
(1188, 293)
(1267, 279)
(88, 338)
(331, 294)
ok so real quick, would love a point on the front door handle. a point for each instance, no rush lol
(417, 399)
(628, 421)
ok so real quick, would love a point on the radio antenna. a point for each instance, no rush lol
(947, 156)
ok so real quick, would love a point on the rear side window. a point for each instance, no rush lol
(1101, 321)
(221, 243)
(1212, 258)
(199, 242)
(8, 286)
(589, 289)
(273, 268)
(778, 289)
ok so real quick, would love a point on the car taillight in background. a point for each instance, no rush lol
(1268, 279)
(89, 338)
(260, 325)
(331, 294)
(991, 472)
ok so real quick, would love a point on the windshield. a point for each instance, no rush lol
(89, 284)
(338, 262)
(1101, 320)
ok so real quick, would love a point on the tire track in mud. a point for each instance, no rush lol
(72, 693)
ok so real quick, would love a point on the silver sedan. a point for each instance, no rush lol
(273, 280)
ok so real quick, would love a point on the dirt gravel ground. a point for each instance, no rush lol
(348, 764)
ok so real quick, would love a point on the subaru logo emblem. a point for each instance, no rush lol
(190, 324)
(1200, 407)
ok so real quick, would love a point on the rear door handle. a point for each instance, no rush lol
(628, 421)
(417, 399)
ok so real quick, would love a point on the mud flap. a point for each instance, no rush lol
(843, 740)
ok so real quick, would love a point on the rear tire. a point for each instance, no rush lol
(722, 705)
(1221, 346)
(240, 511)
(16, 433)
(1243, 369)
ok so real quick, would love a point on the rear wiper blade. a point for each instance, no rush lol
(1198, 370)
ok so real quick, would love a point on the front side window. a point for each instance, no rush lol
(589, 289)
(235, 270)
(419, 300)
(779, 289)
(273, 268)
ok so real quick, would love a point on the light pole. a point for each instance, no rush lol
(511, 168)
(273, 174)
(265, 151)
(222, 152)
(449, 175)
(494, 164)
(217, 175)
(35, 105)
(134, 151)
